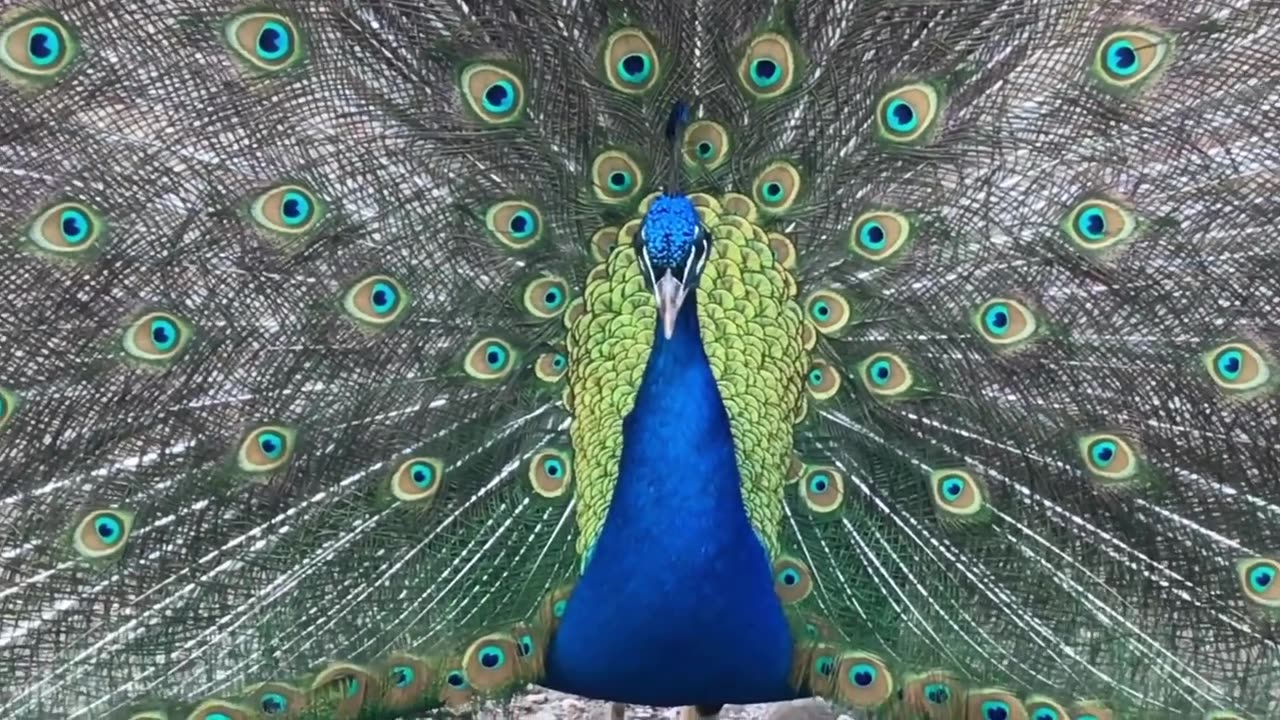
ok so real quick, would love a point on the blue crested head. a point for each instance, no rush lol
(672, 245)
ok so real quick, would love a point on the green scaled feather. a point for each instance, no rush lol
(320, 321)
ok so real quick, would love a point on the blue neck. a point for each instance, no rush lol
(677, 605)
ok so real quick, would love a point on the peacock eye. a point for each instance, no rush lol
(157, 338)
(489, 359)
(494, 94)
(67, 229)
(102, 534)
(265, 449)
(264, 41)
(273, 703)
(401, 676)
(546, 297)
(996, 710)
(1128, 59)
(36, 48)
(792, 581)
(456, 680)
(908, 113)
(768, 66)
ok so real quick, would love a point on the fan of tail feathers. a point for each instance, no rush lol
(321, 319)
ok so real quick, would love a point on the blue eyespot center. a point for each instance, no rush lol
(862, 675)
(296, 208)
(619, 181)
(996, 319)
(872, 235)
(273, 703)
(815, 376)
(765, 72)
(274, 41)
(74, 225)
(522, 224)
(492, 657)
(108, 529)
(553, 467)
(1046, 714)
(1229, 364)
(456, 680)
(1092, 223)
(384, 298)
(164, 334)
(496, 356)
(500, 97)
(1122, 58)
(901, 117)
(881, 371)
(995, 710)
(271, 444)
(819, 483)
(706, 149)
(773, 191)
(789, 577)
(524, 648)
(559, 607)
(1261, 577)
(952, 487)
(402, 676)
(1103, 452)
(44, 45)
(824, 665)
(635, 68)
(937, 693)
(559, 361)
(553, 297)
(422, 474)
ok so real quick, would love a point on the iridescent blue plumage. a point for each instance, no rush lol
(688, 602)
(669, 230)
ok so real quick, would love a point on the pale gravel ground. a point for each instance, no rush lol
(541, 704)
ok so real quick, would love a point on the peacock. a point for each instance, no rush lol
(367, 359)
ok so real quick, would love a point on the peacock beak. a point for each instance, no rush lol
(670, 294)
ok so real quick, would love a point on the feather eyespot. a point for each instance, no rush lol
(274, 699)
(957, 494)
(822, 489)
(777, 187)
(9, 404)
(405, 679)
(494, 94)
(631, 63)
(885, 374)
(1109, 457)
(550, 473)
(823, 380)
(489, 664)
(35, 49)
(514, 223)
(879, 235)
(264, 41)
(220, 710)
(1097, 224)
(908, 114)
(994, 704)
(768, 66)
(616, 177)
(102, 534)
(265, 449)
(417, 479)
(792, 580)
(603, 243)
(706, 144)
(1236, 367)
(157, 338)
(828, 312)
(1040, 707)
(546, 297)
(1005, 322)
(347, 684)
(784, 251)
(551, 366)
(1260, 581)
(934, 694)
(1128, 59)
(67, 229)
(863, 680)
(490, 359)
(289, 209)
(375, 302)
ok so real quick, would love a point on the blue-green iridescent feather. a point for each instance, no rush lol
(334, 384)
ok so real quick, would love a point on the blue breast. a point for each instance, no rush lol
(677, 605)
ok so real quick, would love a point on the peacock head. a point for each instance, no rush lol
(672, 246)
